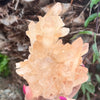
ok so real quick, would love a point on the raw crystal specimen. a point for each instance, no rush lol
(52, 69)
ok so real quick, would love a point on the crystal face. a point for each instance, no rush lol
(53, 69)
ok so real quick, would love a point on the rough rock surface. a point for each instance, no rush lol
(9, 91)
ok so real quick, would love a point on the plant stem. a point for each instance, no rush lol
(97, 20)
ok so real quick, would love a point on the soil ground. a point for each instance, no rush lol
(16, 48)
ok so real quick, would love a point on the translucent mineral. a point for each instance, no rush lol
(52, 69)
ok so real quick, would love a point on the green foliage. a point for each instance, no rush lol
(97, 78)
(88, 96)
(93, 2)
(96, 54)
(83, 89)
(81, 33)
(4, 70)
(88, 88)
(91, 18)
(86, 32)
(76, 96)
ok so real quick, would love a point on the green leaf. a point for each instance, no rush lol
(86, 32)
(94, 58)
(89, 75)
(98, 78)
(4, 70)
(83, 32)
(95, 38)
(76, 96)
(93, 2)
(84, 85)
(91, 18)
(88, 96)
(3, 63)
(96, 53)
(83, 88)
(90, 87)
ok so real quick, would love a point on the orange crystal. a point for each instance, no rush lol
(52, 69)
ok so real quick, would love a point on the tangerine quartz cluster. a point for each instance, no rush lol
(52, 69)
